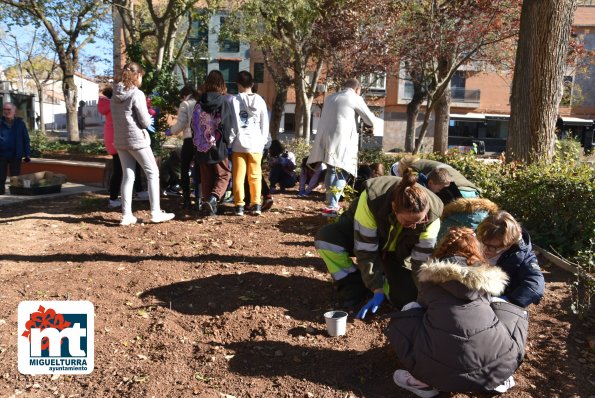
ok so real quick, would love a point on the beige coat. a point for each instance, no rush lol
(336, 142)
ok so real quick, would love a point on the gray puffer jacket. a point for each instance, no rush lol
(459, 341)
(131, 117)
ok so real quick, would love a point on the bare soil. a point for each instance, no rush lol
(227, 307)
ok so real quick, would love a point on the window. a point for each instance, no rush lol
(230, 71)
(289, 123)
(258, 72)
(374, 82)
(567, 92)
(197, 71)
(199, 34)
(457, 86)
(226, 45)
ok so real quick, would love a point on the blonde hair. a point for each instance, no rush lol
(460, 241)
(130, 73)
(500, 225)
(406, 163)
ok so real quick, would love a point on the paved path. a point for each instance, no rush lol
(68, 188)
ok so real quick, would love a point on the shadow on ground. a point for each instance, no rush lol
(304, 298)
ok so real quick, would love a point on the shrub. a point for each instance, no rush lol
(555, 202)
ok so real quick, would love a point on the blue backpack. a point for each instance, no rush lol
(206, 129)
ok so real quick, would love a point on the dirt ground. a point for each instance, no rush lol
(227, 307)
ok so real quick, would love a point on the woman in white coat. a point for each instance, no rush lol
(336, 142)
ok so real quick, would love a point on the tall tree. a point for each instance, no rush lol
(437, 37)
(71, 25)
(35, 57)
(284, 30)
(538, 75)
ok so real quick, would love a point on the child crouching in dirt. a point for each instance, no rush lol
(458, 296)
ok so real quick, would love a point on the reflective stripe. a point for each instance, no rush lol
(366, 247)
(336, 261)
(431, 231)
(419, 256)
(363, 215)
(343, 273)
(322, 245)
(426, 243)
(369, 232)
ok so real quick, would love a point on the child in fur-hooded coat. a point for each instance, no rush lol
(459, 340)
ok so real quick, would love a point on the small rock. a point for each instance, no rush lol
(278, 353)
(309, 395)
(582, 360)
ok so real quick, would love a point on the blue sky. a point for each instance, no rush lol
(100, 48)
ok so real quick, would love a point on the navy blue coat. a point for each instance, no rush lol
(526, 284)
(14, 140)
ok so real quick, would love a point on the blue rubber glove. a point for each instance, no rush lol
(168, 132)
(504, 298)
(373, 304)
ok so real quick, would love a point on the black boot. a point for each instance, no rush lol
(209, 206)
(351, 290)
(187, 204)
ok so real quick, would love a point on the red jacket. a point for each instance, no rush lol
(103, 107)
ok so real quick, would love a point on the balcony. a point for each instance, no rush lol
(460, 97)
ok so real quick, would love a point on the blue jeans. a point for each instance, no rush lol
(334, 181)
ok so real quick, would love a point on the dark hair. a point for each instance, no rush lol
(409, 197)
(440, 176)
(245, 79)
(130, 73)
(189, 90)
(351, 83)
(107, 92)
(215, 83)
(276, 148)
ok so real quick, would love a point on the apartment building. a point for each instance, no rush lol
(480, 106)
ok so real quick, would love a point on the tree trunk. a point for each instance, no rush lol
(424, 125)
(277, 111)
(412, 113)
(442, 113)
(537, 83)
(299, 113)
(41, 113)
(307, 116)
(70, 98)
(442, 110)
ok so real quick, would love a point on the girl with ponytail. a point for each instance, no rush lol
(391, 230)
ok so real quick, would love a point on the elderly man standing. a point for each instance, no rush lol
(14, 143)
(336, 142)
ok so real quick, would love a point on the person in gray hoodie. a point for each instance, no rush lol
(248, 145)
(131, 118)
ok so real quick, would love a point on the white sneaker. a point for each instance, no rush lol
(128, 220)
(508, 384)
(405, 380)
(144, 195)
(161, 216)
(114, 203)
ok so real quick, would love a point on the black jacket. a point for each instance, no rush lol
(211, 102)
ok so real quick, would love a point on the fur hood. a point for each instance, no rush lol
(469, 205)
(486, 278)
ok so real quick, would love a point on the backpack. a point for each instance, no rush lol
(205, 128)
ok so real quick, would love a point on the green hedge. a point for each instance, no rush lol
(555, 202)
